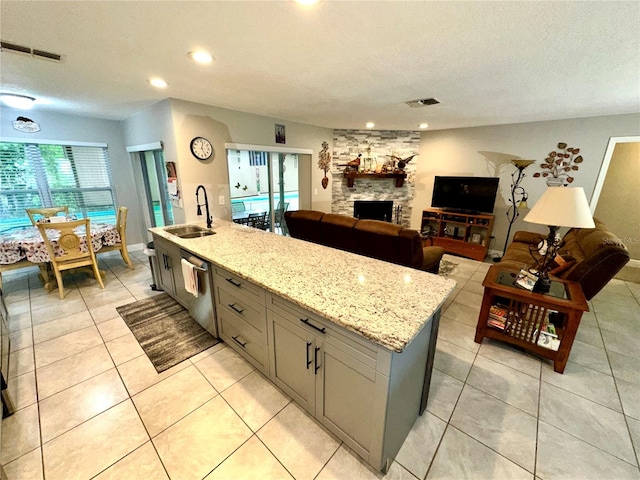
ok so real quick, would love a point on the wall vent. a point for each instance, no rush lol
(423, 102)
(41, 54)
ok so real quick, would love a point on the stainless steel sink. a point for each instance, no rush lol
(189, 231)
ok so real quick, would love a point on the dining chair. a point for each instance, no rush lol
(258, 220)
(121, 226)
(67, 253)
(237, 207)
(45, 212)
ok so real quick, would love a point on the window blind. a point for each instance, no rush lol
(46, 175)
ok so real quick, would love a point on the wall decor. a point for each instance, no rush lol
(559, 165)
(324, 163)
(401, 162)
(280, 134)
(24, 124)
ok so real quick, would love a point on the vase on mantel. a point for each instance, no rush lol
(555, 182)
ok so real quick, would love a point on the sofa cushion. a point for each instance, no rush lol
(598, 255)
(338, 231)
(388, 241)
(305, 225)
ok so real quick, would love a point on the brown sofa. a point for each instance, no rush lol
(595, 254)
(372, 238)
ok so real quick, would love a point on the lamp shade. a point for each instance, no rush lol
(562, 207)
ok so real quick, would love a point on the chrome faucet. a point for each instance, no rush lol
(206, 205)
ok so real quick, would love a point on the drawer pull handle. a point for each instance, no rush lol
(233, 307)
(308, 359)
(315, 360)
(235, 338)
(236, 284)
(307, 322)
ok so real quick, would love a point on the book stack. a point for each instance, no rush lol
(497, 317)
(548, 337)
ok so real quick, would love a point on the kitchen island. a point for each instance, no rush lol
(351, 339)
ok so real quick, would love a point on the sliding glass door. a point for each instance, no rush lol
(154, 174)
(263, 186)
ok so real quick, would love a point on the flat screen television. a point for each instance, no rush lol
(465, 194)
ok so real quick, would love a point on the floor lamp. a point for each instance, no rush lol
(518, 198)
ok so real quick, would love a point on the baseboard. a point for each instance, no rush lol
(630, 272)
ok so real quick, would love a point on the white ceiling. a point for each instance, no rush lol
(337, 64)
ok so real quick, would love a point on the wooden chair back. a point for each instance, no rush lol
(66, 252)
(45, 212)
(121, 226)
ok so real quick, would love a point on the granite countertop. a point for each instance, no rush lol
(385, 303)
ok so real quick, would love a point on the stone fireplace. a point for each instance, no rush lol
(348, 144)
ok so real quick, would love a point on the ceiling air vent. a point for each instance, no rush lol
(47, 55)
(41, 54)
(15, 48)
(423, 102)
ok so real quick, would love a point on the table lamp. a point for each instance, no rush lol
(558, 207)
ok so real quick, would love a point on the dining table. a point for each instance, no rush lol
(242, 216)
(26, 244)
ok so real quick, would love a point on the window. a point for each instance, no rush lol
(47, 175)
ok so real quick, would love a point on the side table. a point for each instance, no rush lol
(525, 315)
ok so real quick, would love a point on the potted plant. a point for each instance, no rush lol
(559, 165)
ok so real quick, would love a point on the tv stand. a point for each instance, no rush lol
(461, 233)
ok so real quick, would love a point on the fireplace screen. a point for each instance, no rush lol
(373, 210)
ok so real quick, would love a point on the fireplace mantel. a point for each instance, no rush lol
(351, 176)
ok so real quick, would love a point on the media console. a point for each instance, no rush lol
(464, 234)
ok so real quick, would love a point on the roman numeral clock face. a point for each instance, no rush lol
(201, 148)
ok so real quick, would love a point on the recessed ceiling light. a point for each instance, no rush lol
(307, 2)
(17, 101)
(158, 82)
(423, 125)
(370, 125)
(201, 56)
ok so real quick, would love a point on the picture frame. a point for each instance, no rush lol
(476, 238)
(280, 134)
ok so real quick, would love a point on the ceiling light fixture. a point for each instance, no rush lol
(307, 2)
(158, 82)
(17, 101)
(423, 125)
(200, 56)
(370, 125)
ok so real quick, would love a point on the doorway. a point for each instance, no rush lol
(263, 186)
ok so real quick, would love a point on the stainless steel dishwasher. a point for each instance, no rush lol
(201, 308)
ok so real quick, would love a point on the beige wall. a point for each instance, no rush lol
(176, 123)
(619, 202)
(486, 151)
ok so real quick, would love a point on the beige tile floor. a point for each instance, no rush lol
(90, 404)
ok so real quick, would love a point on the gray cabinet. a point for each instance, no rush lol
(171, 279)
(330, 373)
(295, 361)
(241, 317)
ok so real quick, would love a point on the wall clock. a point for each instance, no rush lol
(201, 148)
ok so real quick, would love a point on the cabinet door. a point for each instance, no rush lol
(166, 272)
(348, 394)
(294, 367)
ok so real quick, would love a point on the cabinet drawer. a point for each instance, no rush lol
(243, 338)
(236, 305)
(233, 283)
